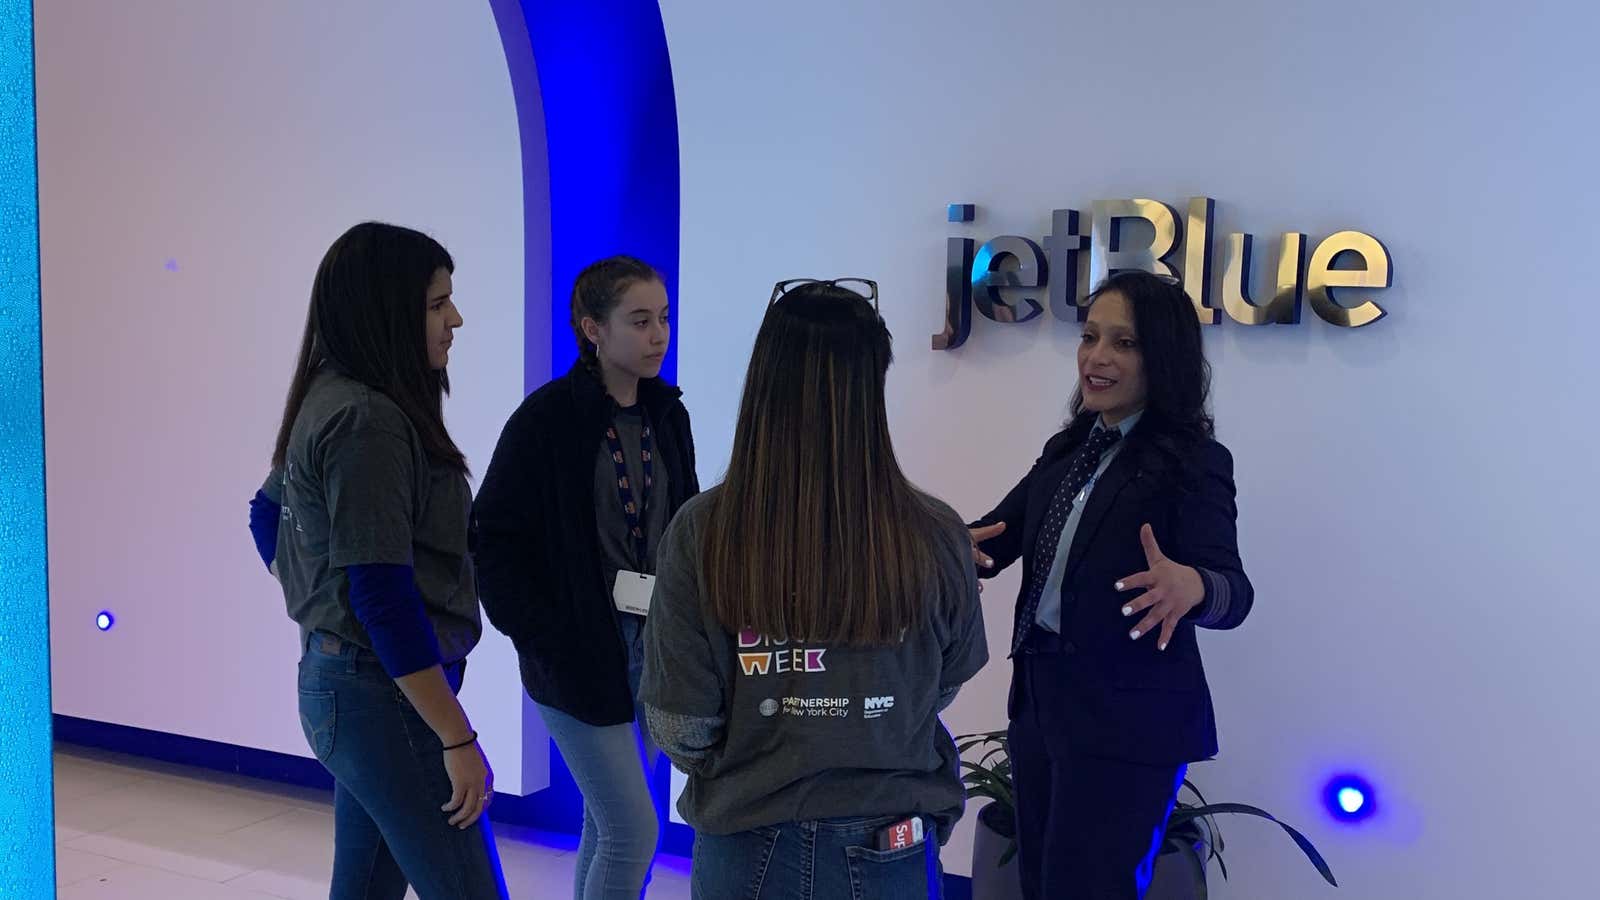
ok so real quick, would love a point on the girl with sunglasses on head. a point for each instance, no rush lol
(815, 612)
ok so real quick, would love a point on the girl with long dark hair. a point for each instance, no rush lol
(815, 612)
(364, 520)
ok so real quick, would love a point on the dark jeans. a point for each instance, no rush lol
(1087, 828)
(390, 782)
(831, 859)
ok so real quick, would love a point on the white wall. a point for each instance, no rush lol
(1415, 503)
(238, 139)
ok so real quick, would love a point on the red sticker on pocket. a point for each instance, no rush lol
(902, 834)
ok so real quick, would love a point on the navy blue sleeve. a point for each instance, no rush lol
(385, 601)
(264, 526)
(1006, 548)
(1208, 540)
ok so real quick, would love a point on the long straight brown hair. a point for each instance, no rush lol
(368, 320)
(815, 534)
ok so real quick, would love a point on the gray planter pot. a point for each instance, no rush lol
(990, 880)
(1179, 875)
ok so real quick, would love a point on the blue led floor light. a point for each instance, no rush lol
(27, 819)
(1349, 798)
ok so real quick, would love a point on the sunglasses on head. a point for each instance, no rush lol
(865, 287)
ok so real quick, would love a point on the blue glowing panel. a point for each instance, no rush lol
(27, 820)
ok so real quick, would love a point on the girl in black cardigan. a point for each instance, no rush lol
(587, 474)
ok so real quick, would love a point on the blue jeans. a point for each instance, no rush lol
(612, 766)
(390, 782)
(830, 859)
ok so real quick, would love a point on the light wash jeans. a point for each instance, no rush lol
(612, 767)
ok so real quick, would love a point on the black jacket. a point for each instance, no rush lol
(537, 544)
(1127, 700)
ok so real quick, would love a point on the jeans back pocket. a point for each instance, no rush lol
(316, 720)
(885, 874)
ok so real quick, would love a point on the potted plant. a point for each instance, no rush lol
(994, 848)
(1191, 842)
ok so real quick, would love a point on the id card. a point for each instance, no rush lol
(632, 592)
(902, 834)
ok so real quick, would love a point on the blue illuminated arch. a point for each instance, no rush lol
(598, 122)
(599, 126)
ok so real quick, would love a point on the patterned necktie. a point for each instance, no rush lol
(1079, 471)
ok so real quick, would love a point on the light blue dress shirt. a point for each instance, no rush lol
(1049, 614)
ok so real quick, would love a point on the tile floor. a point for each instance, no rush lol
(133, 829)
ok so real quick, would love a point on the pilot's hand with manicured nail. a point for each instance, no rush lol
(1171, 590)
(979, 535)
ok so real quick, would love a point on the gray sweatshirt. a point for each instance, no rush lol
(771, 733)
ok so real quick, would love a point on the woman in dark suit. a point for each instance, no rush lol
(1125, 527)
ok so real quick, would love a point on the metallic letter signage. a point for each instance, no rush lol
(1012, 279)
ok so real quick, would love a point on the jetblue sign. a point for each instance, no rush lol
(1012, 279)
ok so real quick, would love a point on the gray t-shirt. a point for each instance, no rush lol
(772, 733)
(617, 550)
(357, 488)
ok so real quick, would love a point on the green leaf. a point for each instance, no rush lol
(983, 783)
(981, 775)
(968, 741)
(1300, 840)
(1216, 844)
(998, 751)
(983, 791)
(980, 737)
(1213, 839)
